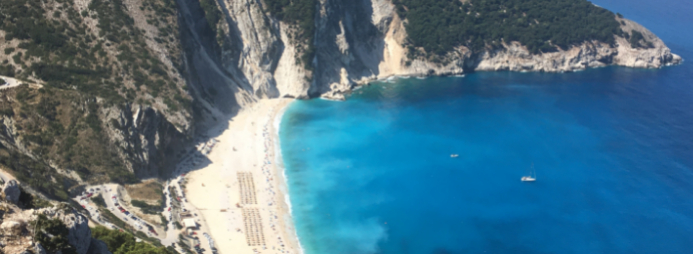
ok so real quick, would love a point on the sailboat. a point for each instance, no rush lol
(532, 175)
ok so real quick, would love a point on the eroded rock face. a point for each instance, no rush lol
(361, 40)
(79, 234)
(515, 57)
(141, 133)
(11, 190)
(357, 41)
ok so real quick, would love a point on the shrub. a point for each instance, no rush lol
(123, 243)
(146, 208)
(98, 200)
(52, 234)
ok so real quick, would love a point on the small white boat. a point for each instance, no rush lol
(454, 155)
(528, 179)
(531, 177)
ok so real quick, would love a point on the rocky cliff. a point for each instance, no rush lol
(515, 57)
(357, 41)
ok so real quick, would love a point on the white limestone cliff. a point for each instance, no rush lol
(357, 41)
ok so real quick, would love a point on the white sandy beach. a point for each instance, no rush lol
(246, 146)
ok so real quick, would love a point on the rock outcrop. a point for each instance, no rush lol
(79, 232)
(142, 134)
(515, 57)
(39, 249)
(16, 225)
(11, 191)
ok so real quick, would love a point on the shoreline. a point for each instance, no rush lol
(242, 190)
(290, 227)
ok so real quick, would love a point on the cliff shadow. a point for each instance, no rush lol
(348, 39)
(209, 83)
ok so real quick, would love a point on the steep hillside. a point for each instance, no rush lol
(103, 96)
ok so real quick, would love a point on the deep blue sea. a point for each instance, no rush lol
(612, 148)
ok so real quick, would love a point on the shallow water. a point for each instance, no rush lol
(612, 147)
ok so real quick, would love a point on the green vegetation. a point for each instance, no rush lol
(438, 26)
(113, 219)
(125, 243)
(7, 69)
(29, 201)
(147, 208)
(67, 54)
(52, 234)
(84, 73)
(212, 13)
(53, 125)
(300, 13)
(637, 40)
(164, 222)
(40, 176)
(99, 201)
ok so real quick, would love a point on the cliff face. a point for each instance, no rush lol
(514, 57)
(361, 40)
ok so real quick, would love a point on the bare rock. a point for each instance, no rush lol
(79, 233)
(11, 190)
(38, 249)
(11, 226)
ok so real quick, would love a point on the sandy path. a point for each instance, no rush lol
(215, 189)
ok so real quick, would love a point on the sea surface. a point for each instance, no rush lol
(612, 148)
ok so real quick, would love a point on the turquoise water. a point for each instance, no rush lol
(612, 147)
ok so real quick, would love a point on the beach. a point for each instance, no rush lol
(240, 194)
